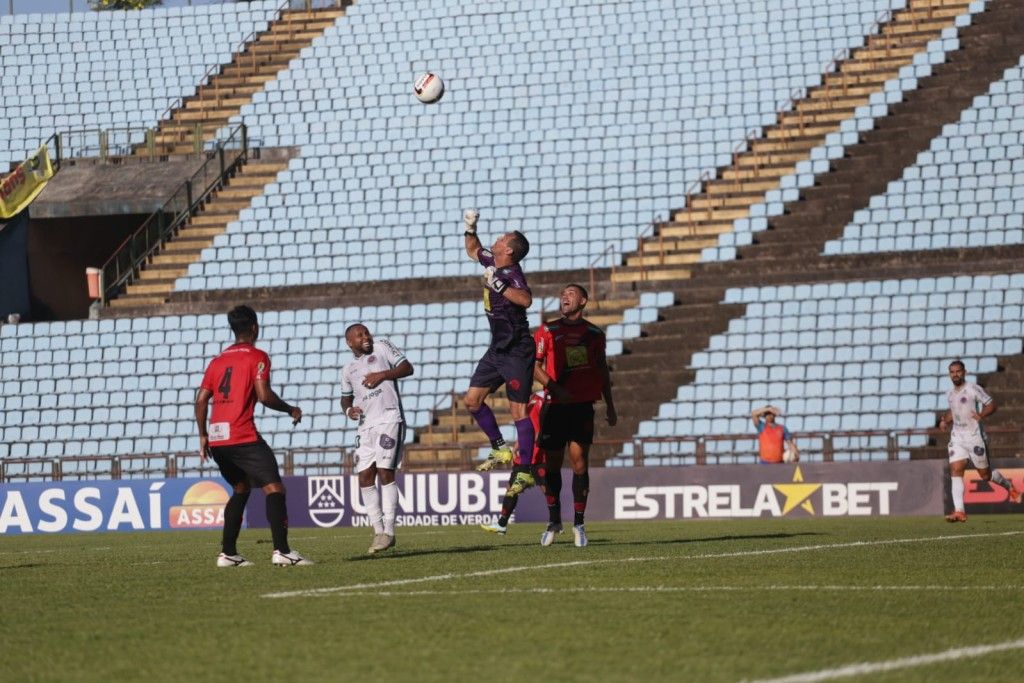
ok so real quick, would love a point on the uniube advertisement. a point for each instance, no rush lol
(126, 505)
(424, 499)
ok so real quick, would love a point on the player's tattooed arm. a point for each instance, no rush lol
(271, 400)
(202, 407)
(351, 412)
(554, 389)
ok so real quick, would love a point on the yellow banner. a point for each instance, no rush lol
(26, 182)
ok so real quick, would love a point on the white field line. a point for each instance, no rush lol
(316, 592)
(663, 589)
(864, 668)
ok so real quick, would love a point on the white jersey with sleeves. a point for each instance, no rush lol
(382, 404)
(964, 400)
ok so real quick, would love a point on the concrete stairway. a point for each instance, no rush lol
(156, 280)
(677, 244)
(225, 92)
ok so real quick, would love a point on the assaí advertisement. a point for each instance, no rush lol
(126, 505)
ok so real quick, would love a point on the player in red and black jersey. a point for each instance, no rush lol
(235, 380)
(572, 367)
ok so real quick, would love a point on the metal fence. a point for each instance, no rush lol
(704, 450)
(123, 267)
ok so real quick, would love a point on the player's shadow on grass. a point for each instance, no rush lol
(433, 551)
(30, 565)
(706, 539)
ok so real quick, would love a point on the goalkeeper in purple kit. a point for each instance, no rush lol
(510, 357)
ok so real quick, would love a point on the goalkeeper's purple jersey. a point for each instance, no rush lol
(508, 321)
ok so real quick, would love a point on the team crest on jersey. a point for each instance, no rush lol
(979, 450)
(575, 356)
(326, 496)
(371, 359)
(386, 442)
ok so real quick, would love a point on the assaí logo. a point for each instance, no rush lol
(50, 507)
(736, 500)
(202, 507)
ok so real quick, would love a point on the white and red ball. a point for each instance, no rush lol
(428, 88)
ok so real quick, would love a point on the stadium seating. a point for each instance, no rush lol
(863, 118)
(127, 386)
(842, 356)
(109, 70)
(966, 191)
(576, 122)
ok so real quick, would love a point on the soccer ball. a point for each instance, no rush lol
(428, 88)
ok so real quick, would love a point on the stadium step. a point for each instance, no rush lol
(156, 279)
(669, 257)
(253, 65)
(802, 128)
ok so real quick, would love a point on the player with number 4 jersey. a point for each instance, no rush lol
(232, 384)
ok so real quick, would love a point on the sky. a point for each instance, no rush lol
(28, 6)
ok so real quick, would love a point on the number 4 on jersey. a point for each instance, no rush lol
(225, 384)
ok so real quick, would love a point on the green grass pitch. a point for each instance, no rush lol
(687, 601)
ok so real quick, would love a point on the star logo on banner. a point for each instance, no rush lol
(797, 493)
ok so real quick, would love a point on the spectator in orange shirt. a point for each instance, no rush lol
(774, 439)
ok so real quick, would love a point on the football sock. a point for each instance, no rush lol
(371, 499)
(580, 491)
(488, 424)
(525, 433)
(389, 495)
(233, 511)
(554, 492)
(998, 478)
(277, 516)
(508, 506)
(956, 486)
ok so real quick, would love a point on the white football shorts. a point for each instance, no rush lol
(973, 447)
(380, 445)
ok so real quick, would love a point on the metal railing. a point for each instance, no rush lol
(223, 161)
(460, 456)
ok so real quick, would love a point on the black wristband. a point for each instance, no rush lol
(469, 234)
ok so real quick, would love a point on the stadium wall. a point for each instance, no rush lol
(14, 290)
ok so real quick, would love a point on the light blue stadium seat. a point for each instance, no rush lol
(879, 363)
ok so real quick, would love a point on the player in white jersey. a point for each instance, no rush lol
(969, 405)
(369, 394)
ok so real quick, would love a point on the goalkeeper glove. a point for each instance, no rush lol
(469, 217)
(492, 280)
